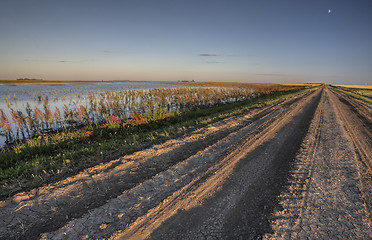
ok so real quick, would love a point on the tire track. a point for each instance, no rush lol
(323, 199)
(357, 119)
(358, 123)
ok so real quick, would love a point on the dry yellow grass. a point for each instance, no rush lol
(356, 86)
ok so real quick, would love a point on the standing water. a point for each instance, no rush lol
(16, 97)
(32, 110)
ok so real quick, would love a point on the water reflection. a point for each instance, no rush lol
(18, 96)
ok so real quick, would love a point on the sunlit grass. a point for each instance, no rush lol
(356, 86)
(363, 93)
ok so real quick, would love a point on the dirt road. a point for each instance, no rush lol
(299, 168)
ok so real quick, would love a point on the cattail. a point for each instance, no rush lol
(16, 121)
(48, 117)
(57, 116)
(79, 113)
(39, 117)
(68, 115)
(85, 114)
(22, 124)
(30, 119)
(4, 124)
(65, 108)
(2, 118)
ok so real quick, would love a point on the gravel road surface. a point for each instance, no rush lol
(298, 169)
(323, 199)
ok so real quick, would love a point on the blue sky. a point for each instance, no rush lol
(290, 41)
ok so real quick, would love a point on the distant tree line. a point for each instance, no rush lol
(186, 81)
(28, 79)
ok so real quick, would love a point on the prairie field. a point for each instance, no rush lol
(362, 92)
(170, 161)
(148, 120)
(356, 86)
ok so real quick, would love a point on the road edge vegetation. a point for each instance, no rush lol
(354, 92)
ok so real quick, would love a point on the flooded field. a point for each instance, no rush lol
(29, 110)
(18, 97)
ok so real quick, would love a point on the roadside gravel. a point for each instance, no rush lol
(323, 199)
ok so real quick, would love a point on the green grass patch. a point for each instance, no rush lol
(51, 156)
(356, 93)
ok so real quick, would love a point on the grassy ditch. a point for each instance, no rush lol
(358, 93)
(50, 157)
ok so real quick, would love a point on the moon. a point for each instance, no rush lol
(329, 11)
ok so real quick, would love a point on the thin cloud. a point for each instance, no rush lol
(75, 61)
(209, 55)
(106, 51)
(216, 55)
(59, 61)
